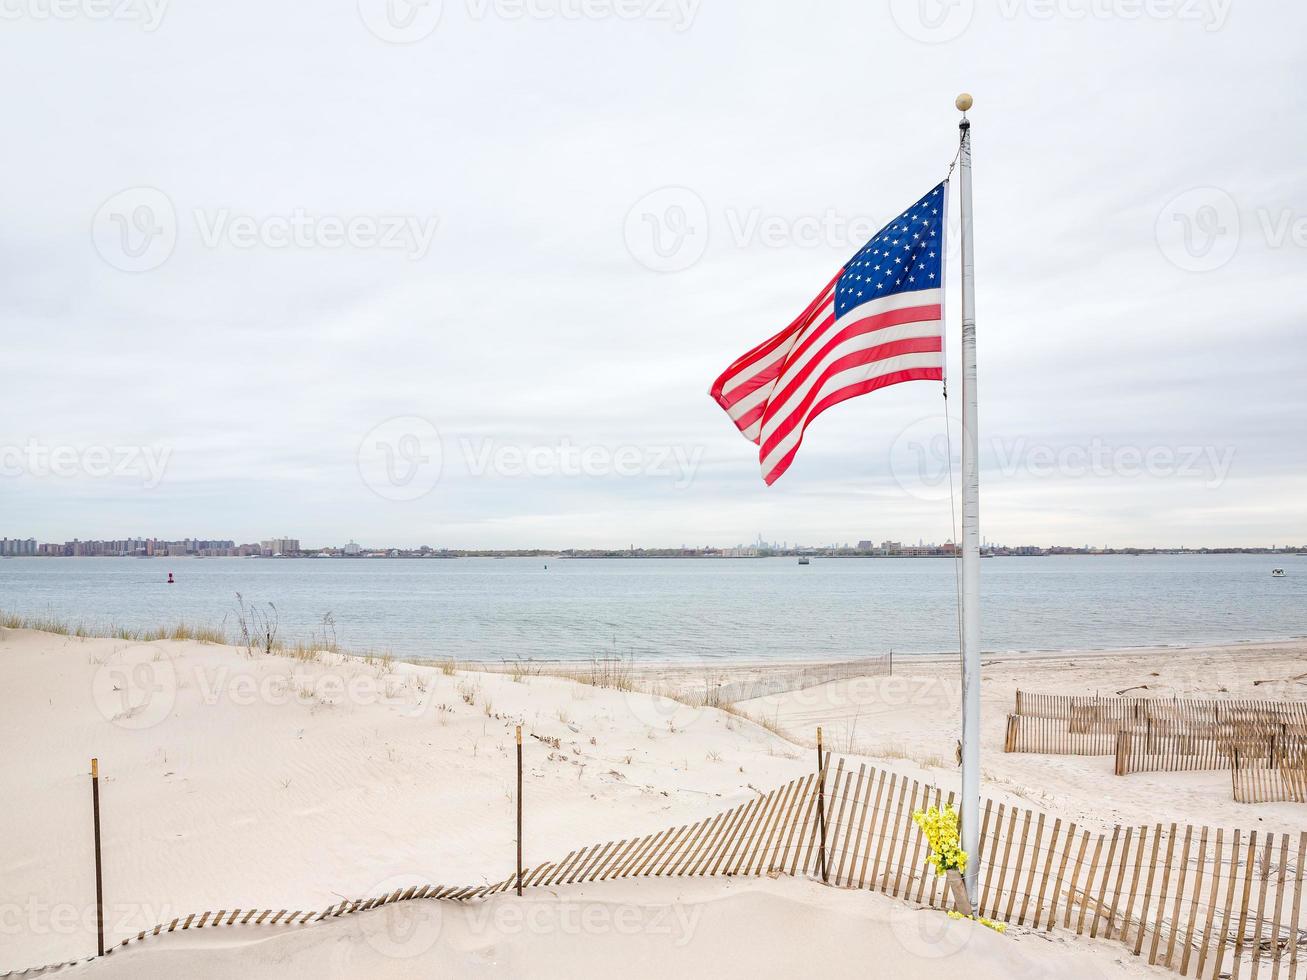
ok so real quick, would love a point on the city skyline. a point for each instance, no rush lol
(291, 547)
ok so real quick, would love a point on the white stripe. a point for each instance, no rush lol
(763, 392)
(899, 301)
(778, 412)
(759, 394)
(855, 375)
(779, 354)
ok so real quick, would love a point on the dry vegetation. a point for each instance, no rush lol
(179, 631)
(256, 632)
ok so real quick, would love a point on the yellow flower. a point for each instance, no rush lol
(940, 828)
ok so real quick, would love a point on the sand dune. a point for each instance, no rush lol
(655, 929)
(235, 780)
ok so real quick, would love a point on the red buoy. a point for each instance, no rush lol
(170, 581)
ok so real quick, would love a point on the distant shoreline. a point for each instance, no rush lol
(626, 556)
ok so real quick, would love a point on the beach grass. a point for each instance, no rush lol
(50, 624)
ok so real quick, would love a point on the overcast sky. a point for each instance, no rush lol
(341, 270)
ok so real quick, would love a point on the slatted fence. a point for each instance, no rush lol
(781, 680)
(1192, 712)
(1173, 735)
(1279, 775)
(1034, 733)
(1199, 902)
(1149, 752)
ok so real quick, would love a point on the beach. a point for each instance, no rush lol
(233, 778)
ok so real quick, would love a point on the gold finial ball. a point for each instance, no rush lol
(963, 102)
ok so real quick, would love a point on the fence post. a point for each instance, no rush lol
(821, 806)
(519, 810)
(99, 880)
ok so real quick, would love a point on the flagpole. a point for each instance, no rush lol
(970, 526)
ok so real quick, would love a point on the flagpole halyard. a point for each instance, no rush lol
(970, 815)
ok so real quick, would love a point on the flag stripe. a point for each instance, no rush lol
(901, 308)
(801, 410)
(859, 332)
(908, 374)
(770, 351)
(869, 377)
(874, 310)
(748, 400)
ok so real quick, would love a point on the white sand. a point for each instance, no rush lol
(741, 928)
(236, 781)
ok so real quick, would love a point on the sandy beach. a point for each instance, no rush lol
(244, 779)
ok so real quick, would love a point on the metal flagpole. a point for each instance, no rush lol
(970, 526)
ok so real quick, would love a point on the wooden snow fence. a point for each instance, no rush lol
(1200, 902)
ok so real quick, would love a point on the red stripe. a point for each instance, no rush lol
(912, 313)
(751, 416)
(851, 391)
(765, 374)
(890, 318)
(777, 369)
(913, 345)
(769, 345)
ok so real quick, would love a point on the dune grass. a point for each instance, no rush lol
(49, 624)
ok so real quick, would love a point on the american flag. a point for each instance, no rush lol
(878, 322)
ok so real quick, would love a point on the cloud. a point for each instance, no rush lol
(530, 323)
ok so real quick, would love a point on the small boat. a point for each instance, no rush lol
(1277, 573)
(804, 561)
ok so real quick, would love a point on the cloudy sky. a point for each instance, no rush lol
(463, 275)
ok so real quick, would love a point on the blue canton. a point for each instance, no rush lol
(906, 255)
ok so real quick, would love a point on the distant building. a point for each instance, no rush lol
(352, 549)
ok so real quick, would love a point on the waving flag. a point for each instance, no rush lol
(879, 322)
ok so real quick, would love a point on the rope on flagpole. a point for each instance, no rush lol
(953, 166)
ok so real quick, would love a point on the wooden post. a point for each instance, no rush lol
(821, 806)
(519, 810)
(99, 880)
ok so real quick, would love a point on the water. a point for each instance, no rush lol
(685, 609)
